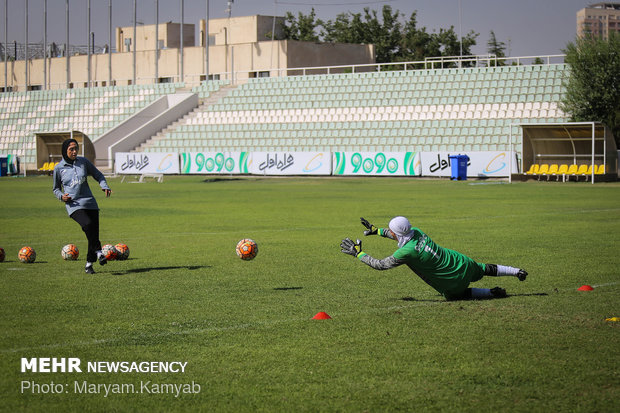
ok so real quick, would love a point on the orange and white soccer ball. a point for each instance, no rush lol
(27, 255)
(247, 249)
(109, 252)
(70, 252)
(122, 251)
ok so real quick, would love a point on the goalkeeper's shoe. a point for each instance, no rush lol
(498, 292)
(89, 270)
(522, 275)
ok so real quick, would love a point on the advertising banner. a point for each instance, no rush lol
(289, 163)
(377, 163)
(214, 163)
(146, 163)
(481, 164)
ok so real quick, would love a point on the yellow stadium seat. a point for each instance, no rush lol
(45, 166)
(553, 170)
(562, 171)
(533, 169)
(583, 169)
(544, 168)
(600, 170)
(572, 171)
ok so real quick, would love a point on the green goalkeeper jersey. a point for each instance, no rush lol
(447, 271)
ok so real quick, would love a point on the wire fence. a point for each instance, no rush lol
(17, 51)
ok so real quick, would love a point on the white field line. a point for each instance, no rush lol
(605, 285)
(243, 326)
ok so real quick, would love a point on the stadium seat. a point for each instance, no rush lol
(600, 170)
(572, 169)
(543, 170)
(581, 171)
(562, 171)
(553, 170)
(533, 169)
(44, 167)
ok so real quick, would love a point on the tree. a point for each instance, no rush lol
(301, 28)
(384, 33)
(418, 44)
(496, 48)
(593, 86)
(345, 29)
(394, 42)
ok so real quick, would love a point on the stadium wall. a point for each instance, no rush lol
(246, 60)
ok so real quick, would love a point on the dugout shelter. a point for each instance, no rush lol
(559, 148)
(49, 147)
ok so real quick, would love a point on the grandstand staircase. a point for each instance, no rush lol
(212, 99)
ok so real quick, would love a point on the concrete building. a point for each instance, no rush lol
(599, 19)
(241, 46)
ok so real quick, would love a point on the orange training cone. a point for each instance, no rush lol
(585, 288)
(321, 316)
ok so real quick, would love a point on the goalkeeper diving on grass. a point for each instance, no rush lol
(447, 271)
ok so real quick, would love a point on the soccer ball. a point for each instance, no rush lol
(122, 251)
(70, 252)
(247, 249)
(109, 252)
(2, 254)
(27, 255)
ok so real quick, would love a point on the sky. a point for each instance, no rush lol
(527, 27)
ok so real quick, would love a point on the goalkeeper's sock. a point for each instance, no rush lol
(478, 293)
(483, 293)
(504, 270)
(496, 270)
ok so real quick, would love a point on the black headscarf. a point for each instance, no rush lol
(65, 145)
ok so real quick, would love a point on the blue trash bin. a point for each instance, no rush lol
(458, 165)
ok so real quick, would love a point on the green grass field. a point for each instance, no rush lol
(245, 329)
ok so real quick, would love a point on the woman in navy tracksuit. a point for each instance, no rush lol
(71, 187)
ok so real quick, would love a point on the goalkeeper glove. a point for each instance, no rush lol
(370, 229)
(350, 247)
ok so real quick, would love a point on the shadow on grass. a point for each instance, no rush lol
(142, 270)
(287, 288)
(211, 180)
(527, 295)
(474, 299)
(422, 300)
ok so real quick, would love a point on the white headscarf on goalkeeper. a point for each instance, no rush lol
(401, 227)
